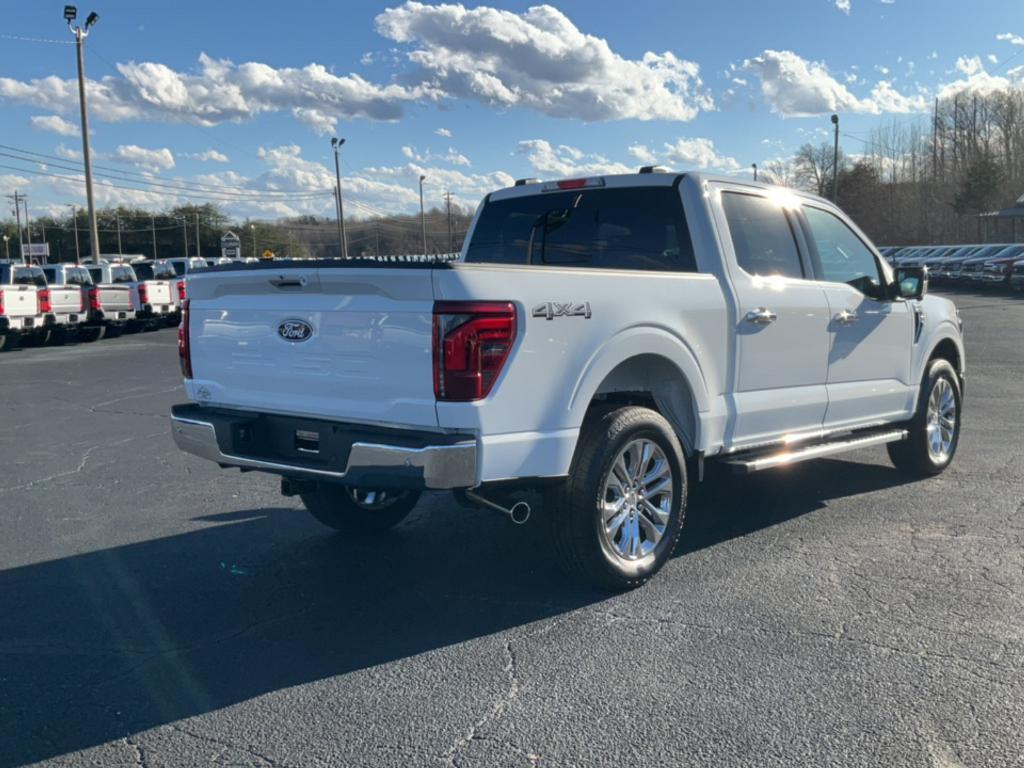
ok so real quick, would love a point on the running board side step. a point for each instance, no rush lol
(784, 458)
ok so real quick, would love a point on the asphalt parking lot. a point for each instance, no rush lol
(156, 611)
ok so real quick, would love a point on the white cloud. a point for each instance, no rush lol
(222, 91)
(642, 153)
(1011, 38)
(210, 155)
(698, 153)
(54, 124)
(977, 79)
(567, 161)
(844, 6)
(452, 156)
(444, 132)
(148, 159)
(539, 59)
(68, 153)
(795, 87)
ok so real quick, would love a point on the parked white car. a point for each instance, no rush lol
(600, 340)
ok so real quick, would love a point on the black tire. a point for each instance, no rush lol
(914, 455)
(37, 338)
(90, 333)
(336, 506)
(113, 331)
(575, 508)
(9, 341)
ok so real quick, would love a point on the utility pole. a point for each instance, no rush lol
(754, 166)
(152, 227)
(117, 221)
(198, 250)
(74, 226)
(423, 217)
(184, 234)
(342, 235)
(252, 228)
(448, 203)
(835, 160)
(80, 33)
(16, 197)
(27, 257)
(377, 228)
(7, 247)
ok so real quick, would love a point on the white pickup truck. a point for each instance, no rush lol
(599, 339)
(111, 299)
(23, 304)
(156, 292)
(69, 297)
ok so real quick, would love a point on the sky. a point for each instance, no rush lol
(236, 104)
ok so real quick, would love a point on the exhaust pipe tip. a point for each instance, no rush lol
(520, 512)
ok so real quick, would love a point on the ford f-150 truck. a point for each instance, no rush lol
(24, 305)
(156, 292)
(69, 286)
(598, 340)
(111, 299)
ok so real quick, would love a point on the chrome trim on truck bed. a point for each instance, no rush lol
(443, 466)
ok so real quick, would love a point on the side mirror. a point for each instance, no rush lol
(911, 282)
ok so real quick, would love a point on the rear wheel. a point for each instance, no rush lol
(91, 333)
(935, 428)
(9, 340)
(359, 511)
(617, 518)
(113, 331)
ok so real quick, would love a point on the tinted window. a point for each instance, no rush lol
(97, 274)
(842, 256)
(77, 277)
(51, 275)
(122, 275)
(29, 276)
(179, 267)
(164, 272)
(634, 228)
(761, 236)
(143, 271)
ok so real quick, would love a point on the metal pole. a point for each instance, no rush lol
(198, 249)
(184, 234)
(152, 226)
(117, 221)
(448, 201)
(17, 214)
(27, 257)
(423, 217)
(835, 160)
(342, 234)
(252, 228)
(754, 165)
(7, 247)
(74, 225)
(94, 232)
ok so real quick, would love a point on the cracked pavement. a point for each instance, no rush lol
(156, 611)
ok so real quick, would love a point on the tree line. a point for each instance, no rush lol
(926, 181)
(191, 230)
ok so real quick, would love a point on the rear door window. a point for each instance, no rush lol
(624, 228)
(97, 274)
(122, 275)
(143, 271)
(762, 237)
(29, 276)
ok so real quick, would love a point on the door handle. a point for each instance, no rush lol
(287, 282)
(846, 317)
(761, 316)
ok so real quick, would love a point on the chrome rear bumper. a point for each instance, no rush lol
(430, 466)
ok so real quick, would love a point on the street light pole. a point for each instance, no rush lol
(117, 220)
(152, 227)
(7, 247)
(342, 235)
(835, 160)
(754, 165)
(80, 33)
(198, 251)
(423, 218)
(74, 225)
(252, 228)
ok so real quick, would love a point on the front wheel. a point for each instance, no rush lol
(357, 510)
(935, 428)
(617, 518)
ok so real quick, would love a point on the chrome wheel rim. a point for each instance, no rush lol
(374, 499)
(941, 425)
(636, 502)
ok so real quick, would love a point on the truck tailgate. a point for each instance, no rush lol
(115, 297)
(20, 300)
(347, 344)
(66, 300)
(159, 292)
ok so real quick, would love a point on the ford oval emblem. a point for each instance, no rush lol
(295, 330)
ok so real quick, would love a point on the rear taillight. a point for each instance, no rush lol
(181, 290)
(94, 299)
(44, 300)
(472, 341)
(1, 302)
(184, 348)
(83, 298)
(143, 294)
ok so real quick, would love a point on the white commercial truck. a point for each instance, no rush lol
(599, 339)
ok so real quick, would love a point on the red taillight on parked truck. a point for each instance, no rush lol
(43, 297)
(94, 299)
(472, 341)
(83, 298)
(181, 290)
(184, 348)
(143, 294)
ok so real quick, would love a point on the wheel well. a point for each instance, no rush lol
(946, 350)
(654, 382)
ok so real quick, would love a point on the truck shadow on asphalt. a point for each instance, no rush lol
(99, 646)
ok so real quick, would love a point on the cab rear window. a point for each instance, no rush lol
(623, 228)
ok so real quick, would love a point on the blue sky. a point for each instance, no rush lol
(224, 96)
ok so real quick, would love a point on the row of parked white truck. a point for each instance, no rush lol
(52, 303)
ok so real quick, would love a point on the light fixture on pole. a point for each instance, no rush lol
(342, 236)
(252, 229)
(80, 33)
(423, 218)
(835, 160)
(7, 247)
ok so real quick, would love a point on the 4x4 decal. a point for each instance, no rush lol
(553, 309)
